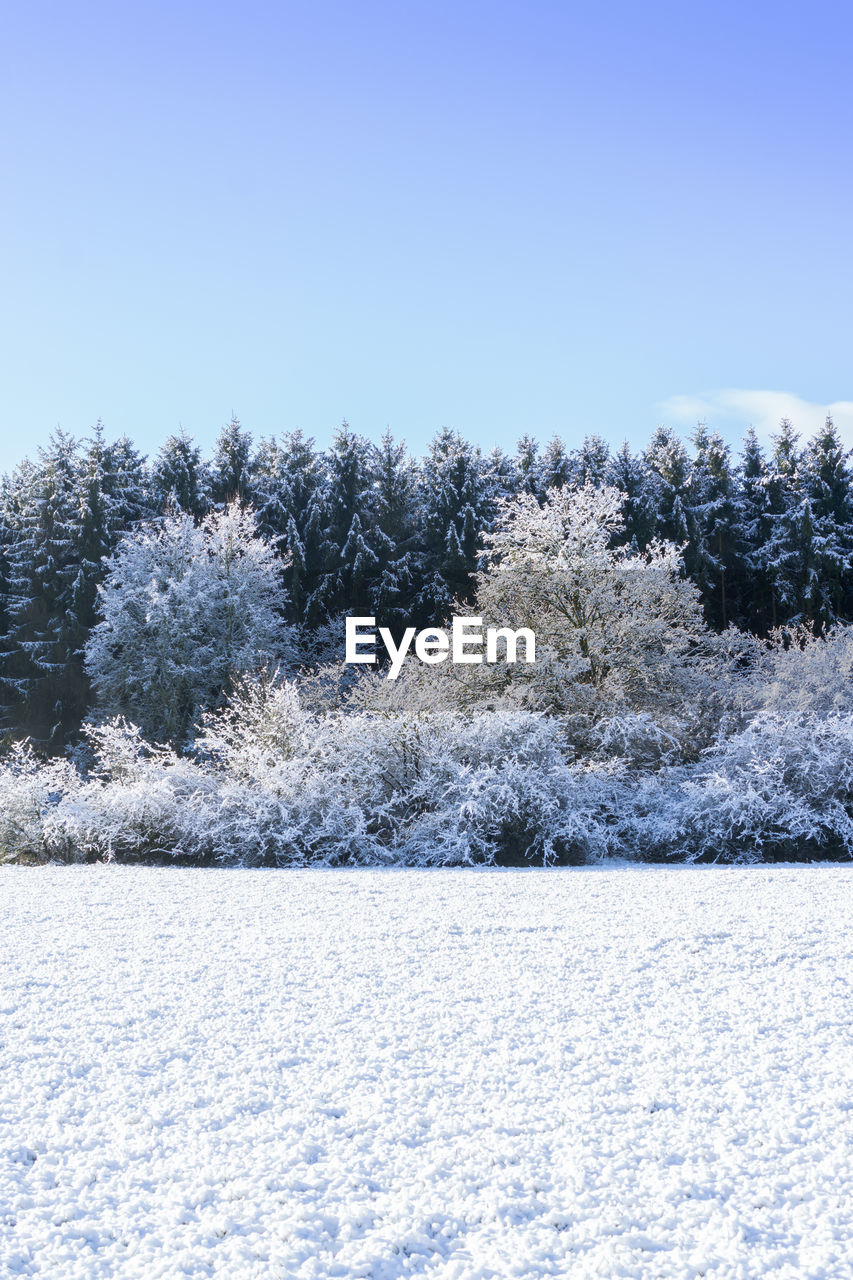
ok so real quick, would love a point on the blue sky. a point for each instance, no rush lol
(501, 217)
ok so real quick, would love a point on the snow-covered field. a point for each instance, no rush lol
(627, 1072)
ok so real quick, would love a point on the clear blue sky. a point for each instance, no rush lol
(502, 217)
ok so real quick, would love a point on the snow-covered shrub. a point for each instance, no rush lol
(782, 789)
(406, 776)
(514, 813)
(638, 740)
(259, 805)
(141, 802)
(388, 787)
(491, 786)
(30, 791)
(262, 724)
(800, 673)
(184, 607)
(781, 785)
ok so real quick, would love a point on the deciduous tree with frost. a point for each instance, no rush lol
(185, 607)
(609, 622)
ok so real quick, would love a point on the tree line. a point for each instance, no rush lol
(365, 528)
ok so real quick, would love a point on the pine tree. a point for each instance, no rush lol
(528, 467)
(128, 488)
(499, 481)
(231, 466)
(454, 502)
(100, 525)
(48, 599)
(179, 478)
(61, 518)
(556, 465)
(630, 475)
(287, 490)
(667, 459)
(350, 565)
(589, 463)
(754, 521)
(826, 485)
(715, 554)
(357, 569)
(787, 548)
(399, 567)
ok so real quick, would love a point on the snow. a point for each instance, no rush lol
(256, 1075)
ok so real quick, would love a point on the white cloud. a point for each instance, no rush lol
(732, 410)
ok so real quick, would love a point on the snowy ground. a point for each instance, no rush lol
(627, 1072)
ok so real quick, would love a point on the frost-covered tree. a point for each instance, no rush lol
(48, 599)
(611, 625)
(754, 520)
(714, 559)
(127, 485)
(179, 478)
(667, 460)
(826, 486)
(399, 561)
(630, 475)
(230, 469)
(556, 465)
(453, 503)
(590, 462)
(185, 607)
(788, 551)
(350, 563)
(499, 476)
(60, 517)
(289, 494)
(528, 466)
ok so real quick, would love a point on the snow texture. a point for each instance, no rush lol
(617, 1072)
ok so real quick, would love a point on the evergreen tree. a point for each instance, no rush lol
(47, 601)
(630, 475)
(231, 466)
(179, 479)
(556, 466)
(288, 492)
(350, 562)
(454, 503)
(589, 463)
(826, 487)
(61, 519)
(499, 481)
(666, 458)
(527, 467)
(715, 554)
(399, 565)
(754, 524)
(785, 554)
(128, 488)
(357, 569)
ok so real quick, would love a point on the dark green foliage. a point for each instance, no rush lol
(715, 553)
(179, 479)
(287, 490)
(630, 474)
(229, 471)
(454, 503)
(60, 517)
(399, 558)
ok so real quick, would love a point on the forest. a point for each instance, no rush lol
(172, 640)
